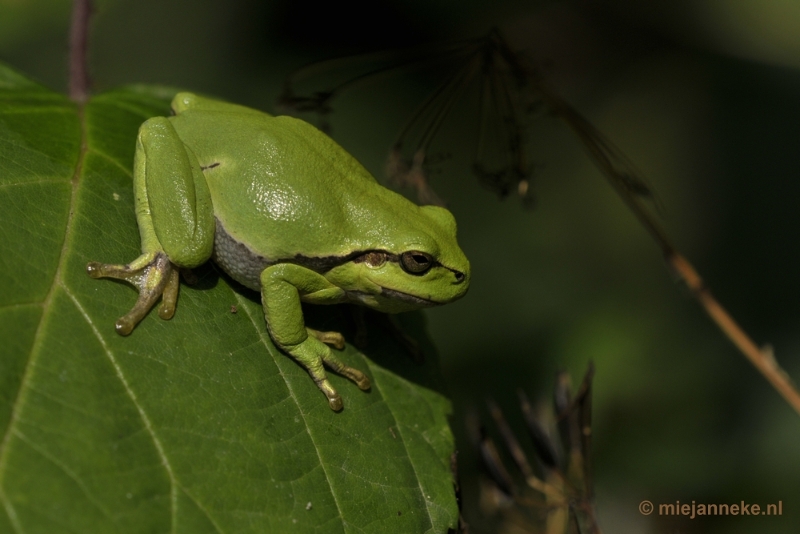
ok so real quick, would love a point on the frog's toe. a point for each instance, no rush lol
(338, 367)
(334, 339)
(169, 299)
(107, 270)
(125, 324)
(334, 399)
(363, 382)
(147, 299)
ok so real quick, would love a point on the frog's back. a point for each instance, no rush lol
(286, 189)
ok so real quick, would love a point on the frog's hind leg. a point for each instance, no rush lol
(153, 275)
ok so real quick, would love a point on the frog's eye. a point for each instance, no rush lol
(415, 262)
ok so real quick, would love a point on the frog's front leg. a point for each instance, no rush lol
(176, 221)
(283, 287)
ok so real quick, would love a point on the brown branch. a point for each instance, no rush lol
(761, 358)
(78, 40)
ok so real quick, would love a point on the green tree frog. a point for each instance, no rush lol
(284, 210)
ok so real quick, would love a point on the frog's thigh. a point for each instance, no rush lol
(173, 204)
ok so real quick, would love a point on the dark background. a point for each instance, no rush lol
(704, 97)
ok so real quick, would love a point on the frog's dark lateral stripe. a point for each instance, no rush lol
(245, 266)
(320, 264)
(243, 254)
(323, 264)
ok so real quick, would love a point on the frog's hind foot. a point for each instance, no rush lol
(153, 275)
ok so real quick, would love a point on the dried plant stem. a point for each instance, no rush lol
(761, 358)
(78, 42)
(622, 177)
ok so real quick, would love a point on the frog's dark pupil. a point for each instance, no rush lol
(415, 262)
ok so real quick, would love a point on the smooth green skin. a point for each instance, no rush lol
(309, 222)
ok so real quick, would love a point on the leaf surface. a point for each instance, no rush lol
(193, 425)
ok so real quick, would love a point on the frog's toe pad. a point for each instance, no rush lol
(363, 383)
(124, 326)
(334, 399)
(335, 402)
(94, 269)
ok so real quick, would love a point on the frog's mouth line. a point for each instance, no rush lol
(406, 297)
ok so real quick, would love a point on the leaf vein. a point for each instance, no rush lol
(112, 160)
(336, 498)
(403, 439)
(202, 509)
(66, 470)
(38, 336)
(135, 401)
(30, 182)
(10, 511)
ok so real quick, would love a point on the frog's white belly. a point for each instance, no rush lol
(236, 259)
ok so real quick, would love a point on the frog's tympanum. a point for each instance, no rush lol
(284, 210)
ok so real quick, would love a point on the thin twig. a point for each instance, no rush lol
(617, 170)
(761, 358)
(78, 40)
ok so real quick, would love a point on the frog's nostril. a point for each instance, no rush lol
(459, 276)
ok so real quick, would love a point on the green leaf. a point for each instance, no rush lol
(193, 425)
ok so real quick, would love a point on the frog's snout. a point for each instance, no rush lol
(460, 283)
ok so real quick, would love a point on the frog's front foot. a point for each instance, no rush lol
(153, 275)
(315, 356)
